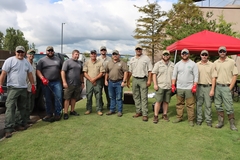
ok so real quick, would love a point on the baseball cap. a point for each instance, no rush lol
(93, 51)
(138, 46)
(204, 51)
(185, 51)
(115, 51)
(103, 47)
(165, 52)
(222, 48)
(49, 47)
(31, 51)
(20, 48)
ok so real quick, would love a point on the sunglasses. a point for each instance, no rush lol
(222, 51)
(20, 52)
(185, 53)
(50, 50)
(103, 50)
(166, 54)
(204, 54)
(114, 54)
(138, 49)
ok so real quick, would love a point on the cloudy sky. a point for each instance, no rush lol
(89, 24)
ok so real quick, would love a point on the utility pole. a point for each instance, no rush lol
(62, 39)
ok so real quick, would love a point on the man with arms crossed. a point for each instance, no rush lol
(226, 78)
(162, 76)
(72, 78)
(140, 67)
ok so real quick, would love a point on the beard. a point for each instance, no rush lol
(50, 55)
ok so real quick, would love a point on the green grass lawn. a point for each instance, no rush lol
(111, 137)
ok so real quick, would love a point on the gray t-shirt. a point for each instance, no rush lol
(50, 68)
(72, 69)
(17, 71)
(186, 73)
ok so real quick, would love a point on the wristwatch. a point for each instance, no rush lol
(124, 81)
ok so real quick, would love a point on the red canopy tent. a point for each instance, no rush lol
(206, 40)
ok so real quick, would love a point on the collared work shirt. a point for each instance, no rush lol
(93, 68)
(164, 73)
(139, 67)
(206, 72)
(225, 70)
(116, 69)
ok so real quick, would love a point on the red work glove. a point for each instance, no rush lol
(44, 81)
(173, 88)
(1, 90)
(33, 89)
(194, 88)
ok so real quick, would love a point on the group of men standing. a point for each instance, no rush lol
(195, 83)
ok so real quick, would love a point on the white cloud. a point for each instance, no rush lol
(89, 24)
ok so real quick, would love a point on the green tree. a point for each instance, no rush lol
(150, 27)
(14, 38)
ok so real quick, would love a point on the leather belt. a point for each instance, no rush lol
(114, 81)
(205, 85)
(140, 77)
(223, 85)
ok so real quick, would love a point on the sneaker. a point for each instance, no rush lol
(65, 116)
(110, 113)
(155, 119)
(87, 112)
(119, 114)
(48, 118)
(165, 117)
(99, 113)
(177, 120)
(74, 113)
(191, 123)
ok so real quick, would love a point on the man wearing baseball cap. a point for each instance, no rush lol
(93, 71)
(206, 87)
(226, 78)
(105, 59)
(17, 89)
(185, 78)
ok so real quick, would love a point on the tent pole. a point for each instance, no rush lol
(175, 56)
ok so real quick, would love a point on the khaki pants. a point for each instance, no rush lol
(182, 95)
(140, 93)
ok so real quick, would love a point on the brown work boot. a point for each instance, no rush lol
(177, 120)
(87, 112)
(19, 128)
(137, 115)
(155, 119)
(145, 118)
(220, 120)
(99, 113)
(232, 122)
(165, 117)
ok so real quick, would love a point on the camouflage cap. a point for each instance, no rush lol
(115, 51)
(165, 52)
(185, 50)
(204, 51)
(20, 48)
(103, 47)
(93, 51)
(49, 47)
(222, 48)
(31, 51)
(138, 46)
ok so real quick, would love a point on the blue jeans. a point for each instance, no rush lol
(115, 91)
(56, 88)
